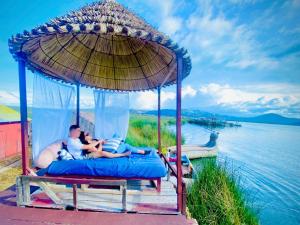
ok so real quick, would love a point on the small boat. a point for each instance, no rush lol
(209, 149)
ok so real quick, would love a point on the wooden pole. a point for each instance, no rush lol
(78, 105)
(23, 112)
(74, 187)
(158, 120)
(178, 134)
(184, 198)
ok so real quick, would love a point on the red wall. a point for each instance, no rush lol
(10, 139)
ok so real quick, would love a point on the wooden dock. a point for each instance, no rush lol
(30, 216)
(144, 205)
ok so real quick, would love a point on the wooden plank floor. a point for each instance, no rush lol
(141, 197)
(10, 214)
(33, 216)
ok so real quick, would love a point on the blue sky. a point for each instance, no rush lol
(245, 53)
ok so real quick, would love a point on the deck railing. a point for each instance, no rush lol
(174, 172)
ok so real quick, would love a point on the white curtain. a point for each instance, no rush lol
(111, 114)
(52, 111)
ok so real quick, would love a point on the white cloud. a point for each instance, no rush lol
(8, 98)
(167, 96)
(145, 100)
(12, 97)
(218, 33)
(210, 36)
(282, 98)
(171, 24)
(188, 91)
(225, 95)
(148, 99)
(168, 22)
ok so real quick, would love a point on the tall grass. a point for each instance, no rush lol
(216, 198)
(8, 177)
(143, 132)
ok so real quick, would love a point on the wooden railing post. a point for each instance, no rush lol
(74, 188)
(184, 198)
(124, 190)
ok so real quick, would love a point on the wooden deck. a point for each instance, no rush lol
(33, 216)
(144, 206)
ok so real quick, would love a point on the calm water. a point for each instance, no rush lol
(268, 159)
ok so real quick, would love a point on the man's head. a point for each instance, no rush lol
(74, 131)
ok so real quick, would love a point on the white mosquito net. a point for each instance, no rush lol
(111, 114)
(52, 111)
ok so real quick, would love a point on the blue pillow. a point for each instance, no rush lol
(112, 145)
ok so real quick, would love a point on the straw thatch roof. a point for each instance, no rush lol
(102, 45)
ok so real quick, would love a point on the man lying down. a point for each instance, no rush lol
(91, 149)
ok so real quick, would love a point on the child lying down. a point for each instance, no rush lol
(82, 146)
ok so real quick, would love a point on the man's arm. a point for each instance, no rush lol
(90, 147)
(94, 143)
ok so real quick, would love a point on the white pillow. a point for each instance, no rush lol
(48, 155)
(111, 145)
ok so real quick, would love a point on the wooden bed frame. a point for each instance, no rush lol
(24, 182)
(24, 197)
(100, 178)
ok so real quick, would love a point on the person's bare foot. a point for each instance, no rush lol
(141, 151)
(144, 152)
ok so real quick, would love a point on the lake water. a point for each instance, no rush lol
(268, 160)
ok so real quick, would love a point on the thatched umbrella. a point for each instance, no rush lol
(102, 45)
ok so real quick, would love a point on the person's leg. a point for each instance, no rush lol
(93, 155)
(114, 155)
(122, 148)
(99, 154)
(134, 149)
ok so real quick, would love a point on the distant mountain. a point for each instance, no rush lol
(172, 112)
(270, 118)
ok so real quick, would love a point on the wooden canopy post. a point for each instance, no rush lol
(23, 112)
(178, 133)
(158, 121)
(78, 104)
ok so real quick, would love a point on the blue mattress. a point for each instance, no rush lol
(136, 165)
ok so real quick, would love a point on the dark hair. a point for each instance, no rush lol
(73, 127)
(82, 138)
